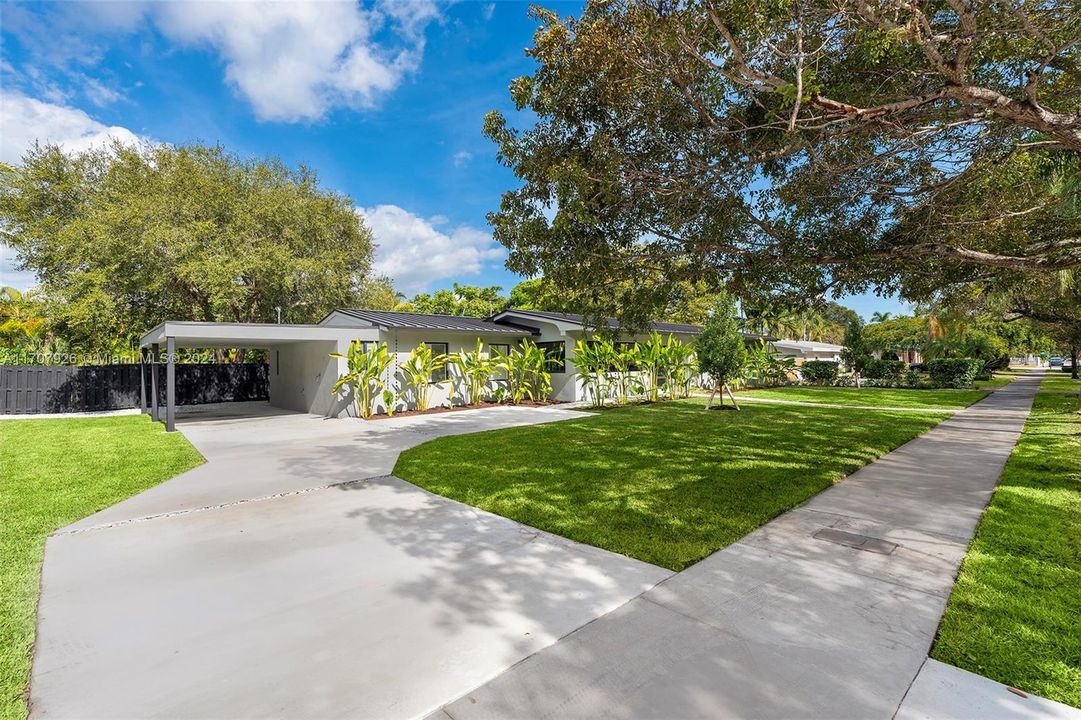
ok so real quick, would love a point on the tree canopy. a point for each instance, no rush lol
(125, 237)
(799, 146)
(461, 300)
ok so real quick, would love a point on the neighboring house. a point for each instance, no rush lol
(804, 350)
(910, 356)
(302, 373)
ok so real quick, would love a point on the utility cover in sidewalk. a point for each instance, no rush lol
(852, 540)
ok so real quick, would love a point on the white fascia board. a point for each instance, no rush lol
(210, 334)
(563, 326)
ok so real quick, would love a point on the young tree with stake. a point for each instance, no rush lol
(721, 351)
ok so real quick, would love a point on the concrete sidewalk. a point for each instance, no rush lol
(828, 611)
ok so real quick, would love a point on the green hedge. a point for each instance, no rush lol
(883, 369)
(819, 372)
(954, 372)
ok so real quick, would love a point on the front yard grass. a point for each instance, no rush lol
(1015, 613)
(945, 398)
(667, 483)
(54, 473)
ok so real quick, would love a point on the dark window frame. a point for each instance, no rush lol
(556, 353)
(442, 373)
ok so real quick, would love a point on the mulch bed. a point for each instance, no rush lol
(477, 406)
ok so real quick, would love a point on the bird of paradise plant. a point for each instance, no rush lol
(418, 371)
(477, 369)
(364, 376)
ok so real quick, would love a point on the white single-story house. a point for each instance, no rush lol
(804, 350)
(302, 372)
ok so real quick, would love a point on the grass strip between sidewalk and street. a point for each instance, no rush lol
(1015, 613)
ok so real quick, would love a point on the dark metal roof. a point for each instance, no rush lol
(425, 321)
(613, 323)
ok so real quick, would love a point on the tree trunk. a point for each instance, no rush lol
(1074, 352)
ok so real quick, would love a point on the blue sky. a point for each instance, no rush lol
(385, 101)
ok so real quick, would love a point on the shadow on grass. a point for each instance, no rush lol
(666, 483)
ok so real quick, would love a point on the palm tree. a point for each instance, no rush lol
(878, 317)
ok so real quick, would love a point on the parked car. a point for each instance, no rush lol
(1055, 361)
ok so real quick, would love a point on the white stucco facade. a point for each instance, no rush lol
(302, 372)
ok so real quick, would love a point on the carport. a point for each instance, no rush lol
(302, 371)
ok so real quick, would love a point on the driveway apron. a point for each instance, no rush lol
(291, 576)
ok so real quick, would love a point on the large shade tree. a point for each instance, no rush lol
(124, 237)
(795, 145)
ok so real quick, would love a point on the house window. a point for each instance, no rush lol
(556, 352)
(496, 351)
(438, 349)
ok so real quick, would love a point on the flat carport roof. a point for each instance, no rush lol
(176, 333)
(219, 334)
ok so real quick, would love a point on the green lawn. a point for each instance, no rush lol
(1015, 613)
(54, 473)
(667, 483)
(879, 397)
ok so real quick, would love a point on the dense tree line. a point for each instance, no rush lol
(123, 237)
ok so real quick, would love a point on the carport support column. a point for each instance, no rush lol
(142, 381)
(170, 384)
(154, 382)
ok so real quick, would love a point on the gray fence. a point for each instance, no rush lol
(29, 389)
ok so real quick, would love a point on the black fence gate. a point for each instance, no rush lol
(29, 389)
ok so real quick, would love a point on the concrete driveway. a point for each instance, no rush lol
(291, 576)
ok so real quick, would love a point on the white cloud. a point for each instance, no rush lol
(414, 254)
(489, 11)
(99, 93)
(462, 157)
(24, 120)
(294, 61)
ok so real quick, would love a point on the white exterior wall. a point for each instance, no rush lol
(302, 376)
(402, 342)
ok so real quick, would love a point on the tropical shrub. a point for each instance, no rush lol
(389, 400)
(365, 373)
(527, 373)
(764, 368)
(477, 369)
(954, 372)
(884, 369)
(593, 363)
(678, 368)
(991, 350)
(819, 372)
(418, 371)
(624, 359)
(650, 355)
